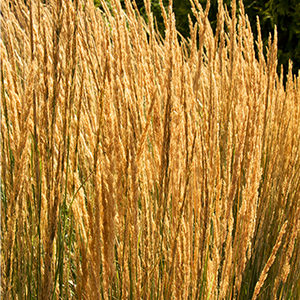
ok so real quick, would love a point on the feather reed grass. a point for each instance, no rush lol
(136, 166)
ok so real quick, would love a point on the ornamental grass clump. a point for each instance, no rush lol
(145, 167)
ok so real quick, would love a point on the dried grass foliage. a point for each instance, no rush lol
(139, 167)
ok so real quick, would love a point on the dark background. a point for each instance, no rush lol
(284, 13)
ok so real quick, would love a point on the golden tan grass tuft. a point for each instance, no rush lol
(136, 166)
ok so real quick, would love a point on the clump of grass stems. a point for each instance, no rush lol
(136, 166)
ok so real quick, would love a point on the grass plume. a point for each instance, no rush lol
(136, 166)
